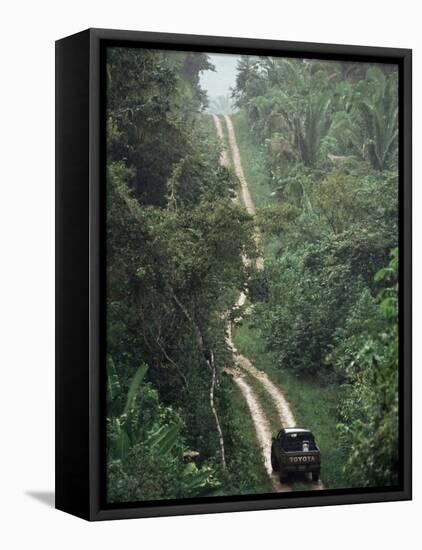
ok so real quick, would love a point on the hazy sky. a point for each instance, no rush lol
(218, 83)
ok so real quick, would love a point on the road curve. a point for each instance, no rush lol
(262, 428)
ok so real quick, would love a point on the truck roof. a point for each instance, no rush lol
(296, 430)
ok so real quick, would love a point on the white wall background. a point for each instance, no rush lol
(29, 29)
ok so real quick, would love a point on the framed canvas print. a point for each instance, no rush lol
(233, 274)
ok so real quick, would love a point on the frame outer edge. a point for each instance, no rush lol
(210, 43)
(407, 271)
(94, 273)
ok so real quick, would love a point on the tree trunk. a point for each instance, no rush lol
(209, 359)
(214, 410)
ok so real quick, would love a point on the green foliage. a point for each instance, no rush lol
(313, 403)
(370, 124)
(319, 148)
(316, 110)
(137, 440)
(113, 384)
(152, 101)
(276, 219)
(325, 135)
(299, 110)
(133, 389)
(370, 411)
(175, 242)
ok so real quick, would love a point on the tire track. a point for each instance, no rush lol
(283, 408)
(246, 195)
(224, 157)
(262, 429)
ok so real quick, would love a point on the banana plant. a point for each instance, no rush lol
(126, 431)
(125, 425)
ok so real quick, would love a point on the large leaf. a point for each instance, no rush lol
(199, 481)
(113, 384)
(134, 387)
(121, 442)
(165, 438)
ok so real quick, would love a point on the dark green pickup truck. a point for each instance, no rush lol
(294, 450)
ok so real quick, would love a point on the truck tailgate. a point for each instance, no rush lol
(308, 458)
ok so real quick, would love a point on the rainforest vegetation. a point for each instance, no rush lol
(319, 141)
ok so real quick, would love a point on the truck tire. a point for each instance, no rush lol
(315, 476)
(274, 462)
(283, 477)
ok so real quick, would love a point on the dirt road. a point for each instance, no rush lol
(224, 158)
(246, 195)
(244, 366)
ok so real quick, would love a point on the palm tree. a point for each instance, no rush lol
(366, 123)
(299, 107)
(379, 117)
(221, 105)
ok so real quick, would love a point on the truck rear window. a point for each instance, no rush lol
(298, 442)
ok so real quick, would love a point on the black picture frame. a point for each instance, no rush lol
(80, 316)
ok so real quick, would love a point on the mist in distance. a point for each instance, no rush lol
(218, 83)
